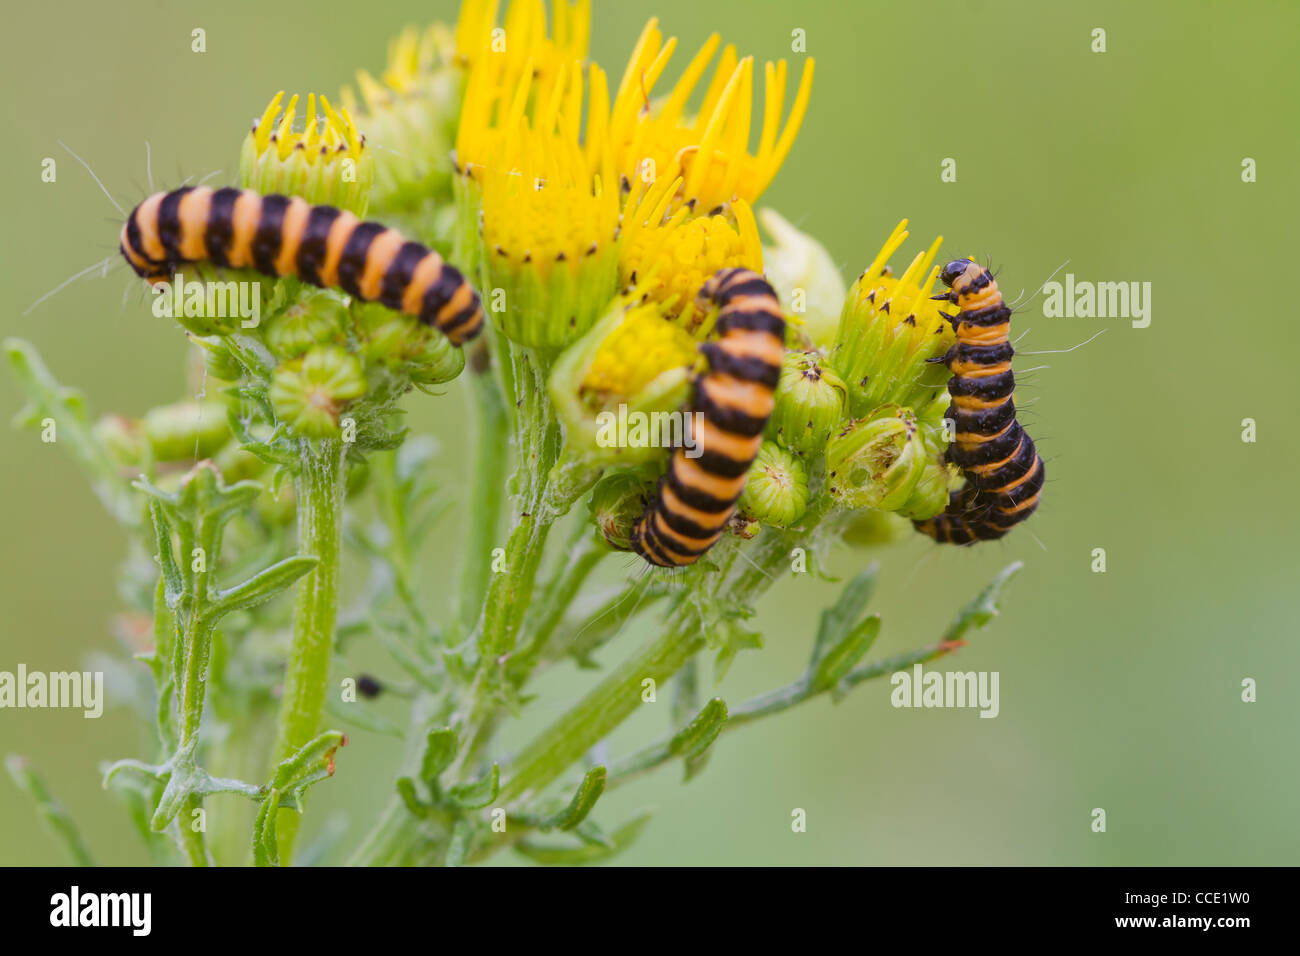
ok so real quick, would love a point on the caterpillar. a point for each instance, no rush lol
(1004, 473)
(696, 497)
(283, 236)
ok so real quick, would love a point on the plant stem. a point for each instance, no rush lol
(319, 487)
(486, 486)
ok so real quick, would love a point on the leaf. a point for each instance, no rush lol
(588, 792)
(265, 850)
(439, 751)
(458, 845)
(838, 619)
(171, 573)
(619, 840)
(476, 795)
(264, 585)
(51, 812)
(410, 796)
(314, 761)
(696, 737)
(844, 655)
(984, 607)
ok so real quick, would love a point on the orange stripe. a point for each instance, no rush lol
(690, 474)
(146, 217)
(335, 243)
(291, 230)
(426, 274)
(244, 220)
(193, 215)
(380, 255)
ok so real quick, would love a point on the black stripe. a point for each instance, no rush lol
(747, 368)
(397, 278)
(136, 242)
(988, 452)
(352, 264)
(723, 465)
(723, 292)
(988, 387)
(694, 498)
(269, 236)
(979, 354)
(439, 293)
(753, 320)
(1024, 491)
(452, 327)
(1013, 470)
(993, 315)
(685, 526)
(982, 421)
(667, 543)
(728, 418)
(311, 249)
(169, 223)
(221, 225)
(648, 546)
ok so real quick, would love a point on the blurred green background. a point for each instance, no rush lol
(1118, 690)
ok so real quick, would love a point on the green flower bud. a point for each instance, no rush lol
(877, 461)
(776, 488)
(633, 369)
(931, 493)
(326, 164)
(186, 430)
(236, 464)
(401, 343)
(316, 318)
(310, 392)
(868, 528)
(891, 333)
(617, 502)
(810, 400)
(805, 277)
(123, 439)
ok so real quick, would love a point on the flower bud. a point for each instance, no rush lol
(402, 344)
(891, 332)
(123, 439)
(776, 488)
(805, 277)
(810, 400)
(186, 430)
(314, 317)
(617, 502)
(236, 464)
(326, 164)
(310, 392)
(867, 528)
(877, 461)
(632, 366)
(930, 496)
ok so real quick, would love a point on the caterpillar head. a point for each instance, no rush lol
(954, 271)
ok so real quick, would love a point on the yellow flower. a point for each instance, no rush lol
(891, 331)
(327, 162)
(641, 348)
(669, 256)
(711, 148)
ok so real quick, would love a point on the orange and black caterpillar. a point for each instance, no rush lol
(1004, 474)
(697, 496)
(287, 236)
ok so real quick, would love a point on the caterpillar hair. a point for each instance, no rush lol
(287, 236)
(1004, 473)
(696, 497)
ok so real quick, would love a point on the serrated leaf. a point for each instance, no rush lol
(696, 737)
(476, 795)
(264, 585)
(312, 762)
(171, 572)
(439, 751)
(588, 792)
(984, 607)
(838, 619)
(841, 658)
(619, 840)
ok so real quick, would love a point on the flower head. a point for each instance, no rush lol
(711, 147)
(309, 393)
(891, 333)
(810, 401)
(670, 255)
(776, 488)
(325, 163)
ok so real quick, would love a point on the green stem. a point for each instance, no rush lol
(319, 487)
(486, 486)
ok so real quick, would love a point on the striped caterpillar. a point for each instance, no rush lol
(284, 236)
(1004, 473)
(696, 497)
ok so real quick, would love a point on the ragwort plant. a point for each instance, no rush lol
(588, 216)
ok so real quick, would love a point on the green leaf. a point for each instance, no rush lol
(844, 655)
(476, 795)
(264, 585)
(410, 795)
(265, 850)
(619, 840)
(171, 572)
(314, 761)
(697, 736)
(588, 792)
(984, 607)
(51, 812)
(458, 845)
(838, 619)
(439, 751)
